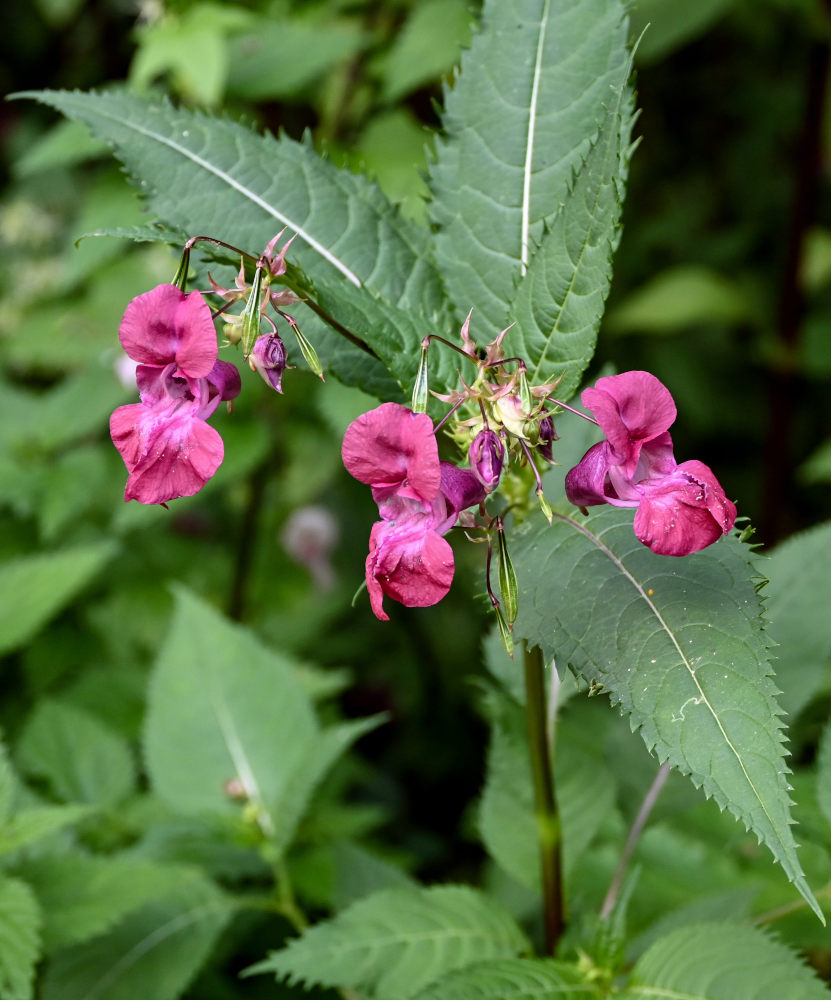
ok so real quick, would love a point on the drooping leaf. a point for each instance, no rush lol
(722, 961)
(154, 952)
(679, 644)
(533, 90)
(82, 896)
(34, 588)
(223, 708)
(19, 939)
(396, 941)
(215, 177)
(512, 979)
(559, 301)
(796, 603)
(80, 757)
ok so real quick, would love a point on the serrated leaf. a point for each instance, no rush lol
(82, 895)
(679, 644)
(34, 588)
(210, 176)
(533, 89)
(19, 939)
(154, 952)
(796, 602)
(396, 941)
(207, 692)
(31, 825)
(512, 979)
(559, 301)
(507, 817)
(722, 961)
(80, 757)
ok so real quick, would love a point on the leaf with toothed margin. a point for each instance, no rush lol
(212, 176)
(679, 644)
(532, 91)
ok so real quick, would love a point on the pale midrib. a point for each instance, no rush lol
(525, 226)
(611, 147)
(703, 699)
(241, 189)
(245, 771)
(149, 942)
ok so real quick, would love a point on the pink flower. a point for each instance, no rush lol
(167, 446)
(681, 508)
(419, 498)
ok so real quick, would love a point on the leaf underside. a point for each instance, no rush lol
(679, 644)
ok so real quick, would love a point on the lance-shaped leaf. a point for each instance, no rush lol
(396, 941)
(560, 300)
(210, 723)
(207, 176)
(512, 979)
(679, 644)
(533, 90)
(20, 920)
(722, 961)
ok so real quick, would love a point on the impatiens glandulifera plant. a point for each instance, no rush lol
(526, 185)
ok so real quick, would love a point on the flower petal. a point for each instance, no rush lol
(631, 408)
(684, 512)
(164, 325)
(409, 562)
(393, 450)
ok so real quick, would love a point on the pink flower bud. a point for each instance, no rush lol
(486, 456)
(268, 359)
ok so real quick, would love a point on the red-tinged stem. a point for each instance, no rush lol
(545, 801)
(646, 808)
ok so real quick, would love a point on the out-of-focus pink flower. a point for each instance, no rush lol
(167, 446)
(419, 498)
(681, 508)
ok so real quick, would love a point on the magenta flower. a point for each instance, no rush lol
(268, 359)
(169, 449)
(419, 498)
(486, 456)
(681, 508)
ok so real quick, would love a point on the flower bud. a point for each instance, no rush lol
(486, 455)
(268, 359)
(508, 585)
(547, 436)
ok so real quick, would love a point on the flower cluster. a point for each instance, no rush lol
(681, 508)
(168, 447)
(419, 499)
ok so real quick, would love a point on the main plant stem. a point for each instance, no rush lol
(545, 800)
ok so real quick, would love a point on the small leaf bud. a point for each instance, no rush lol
(420, 388)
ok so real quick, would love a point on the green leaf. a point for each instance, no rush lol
(824, 772)
(209, 691)
(19, 939)
(512, 979)
(678, 298)
(797, 605)
(428, 45)
(154, 952)
(30, 825)
(35, 588)
(533, 90)
(396, 941)
(679, 645)
(211, 176)
(82, 895)
(560, 299)
(722, 961)
(80, 757)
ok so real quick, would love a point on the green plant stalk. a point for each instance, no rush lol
(545, 801)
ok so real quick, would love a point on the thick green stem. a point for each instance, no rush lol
(548, 819)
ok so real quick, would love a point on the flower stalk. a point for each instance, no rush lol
(545, 800)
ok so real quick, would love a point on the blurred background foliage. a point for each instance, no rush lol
(722, 288)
